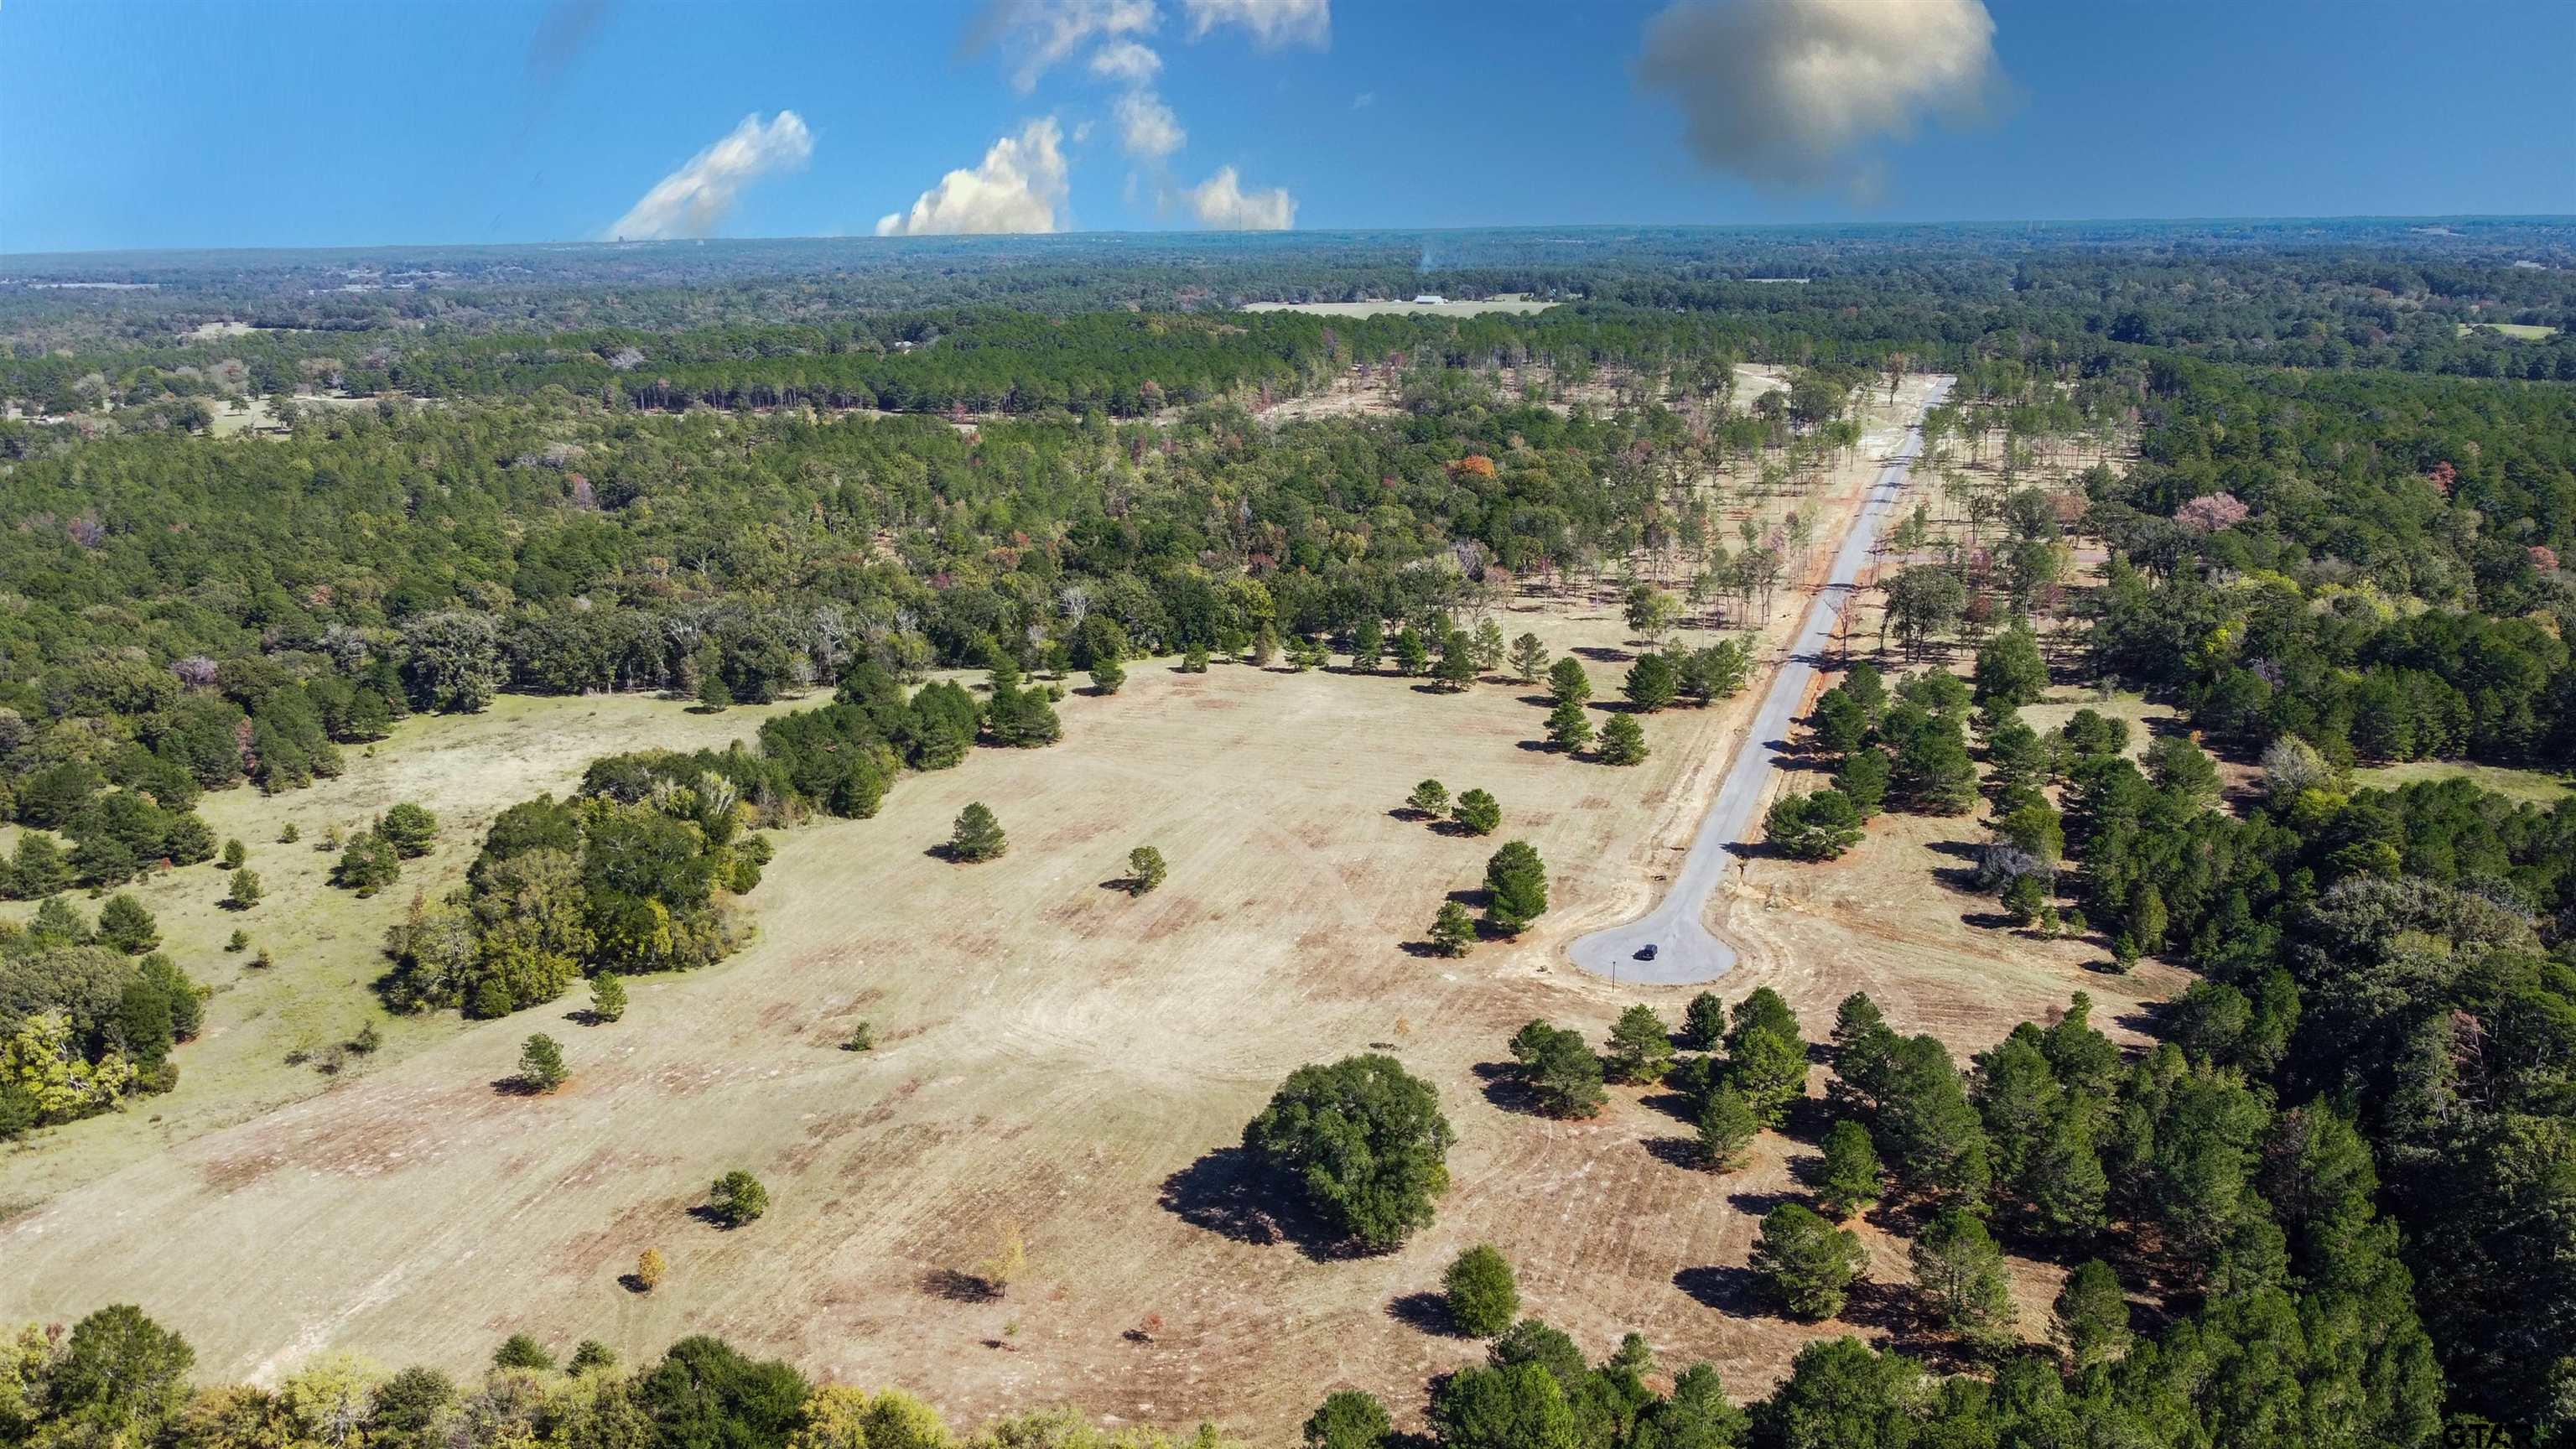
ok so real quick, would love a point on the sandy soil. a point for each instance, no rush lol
(1054, 1057)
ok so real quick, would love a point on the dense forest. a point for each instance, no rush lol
(2331, 505)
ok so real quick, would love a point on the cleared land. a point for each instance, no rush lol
(2530, 787)
(1054, 1057)
(2519, 331)
(1404, 306)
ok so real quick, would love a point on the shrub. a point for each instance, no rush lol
(650, 1268)
(1430, 797)
(368, 865)
(541, 1064)
(1482, 1294)
(1479, 812)
(245, 890)
(607, 997)
(1145, 870)
(519, 1351)
(409, 829)
(737, 1198)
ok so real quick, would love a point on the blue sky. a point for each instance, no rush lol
(323, 122)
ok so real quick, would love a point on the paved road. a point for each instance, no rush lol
(1686, 952)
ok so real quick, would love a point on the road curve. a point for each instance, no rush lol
(1685, 950)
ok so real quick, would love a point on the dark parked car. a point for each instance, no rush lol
(1646, 953)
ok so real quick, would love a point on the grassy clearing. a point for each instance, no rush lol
(2518, 331)
(465, 768)
(2533, 787)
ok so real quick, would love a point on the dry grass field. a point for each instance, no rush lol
(1054, 1059)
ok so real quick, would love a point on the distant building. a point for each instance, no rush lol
(1429, 299)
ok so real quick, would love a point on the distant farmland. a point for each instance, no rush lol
(1509, 302)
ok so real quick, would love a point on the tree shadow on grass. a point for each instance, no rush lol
(633, 1283)
(1760, 1204)
(1227, 1193)
(1425, 1313)
(1676, 1105)
(1508, 1090)
(1735, 1291)
(1681, 1152)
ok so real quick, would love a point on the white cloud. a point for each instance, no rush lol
(1127, 61)
(1038, 35)
(696, 199)
(1363, 100)
(1222, 204)
(1272, 22)
(1147, 129)
(1784, 91)
(1019, 187)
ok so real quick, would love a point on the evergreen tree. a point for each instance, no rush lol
(541, 1064)
(1806, 1263)
(1515, 887)
(1560, 1069)
(2091, 1319)
(1727, 1126)
(1478, 812)
(1567, 682)
(124, 924)
(1529, 658)
(1623, 741)
(1704, 1022)
(1641, 1050)
(1961, 1272)
(977, 835)
(1569, 728)
(1453, 931)
(1850, 1179)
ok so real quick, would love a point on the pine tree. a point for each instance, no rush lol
(1727, 1126)
(1641, 1050)
(1529, 658)
(1623, 741)
(541, 1064)
(1569, 728)
(1567, 682)
(1849, 1182)
(1962, 1272)
(2091, 1315)
(1704, 1022)
(1516, 888)
(1453, 931)
(1806, 1262)
(977, 836)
